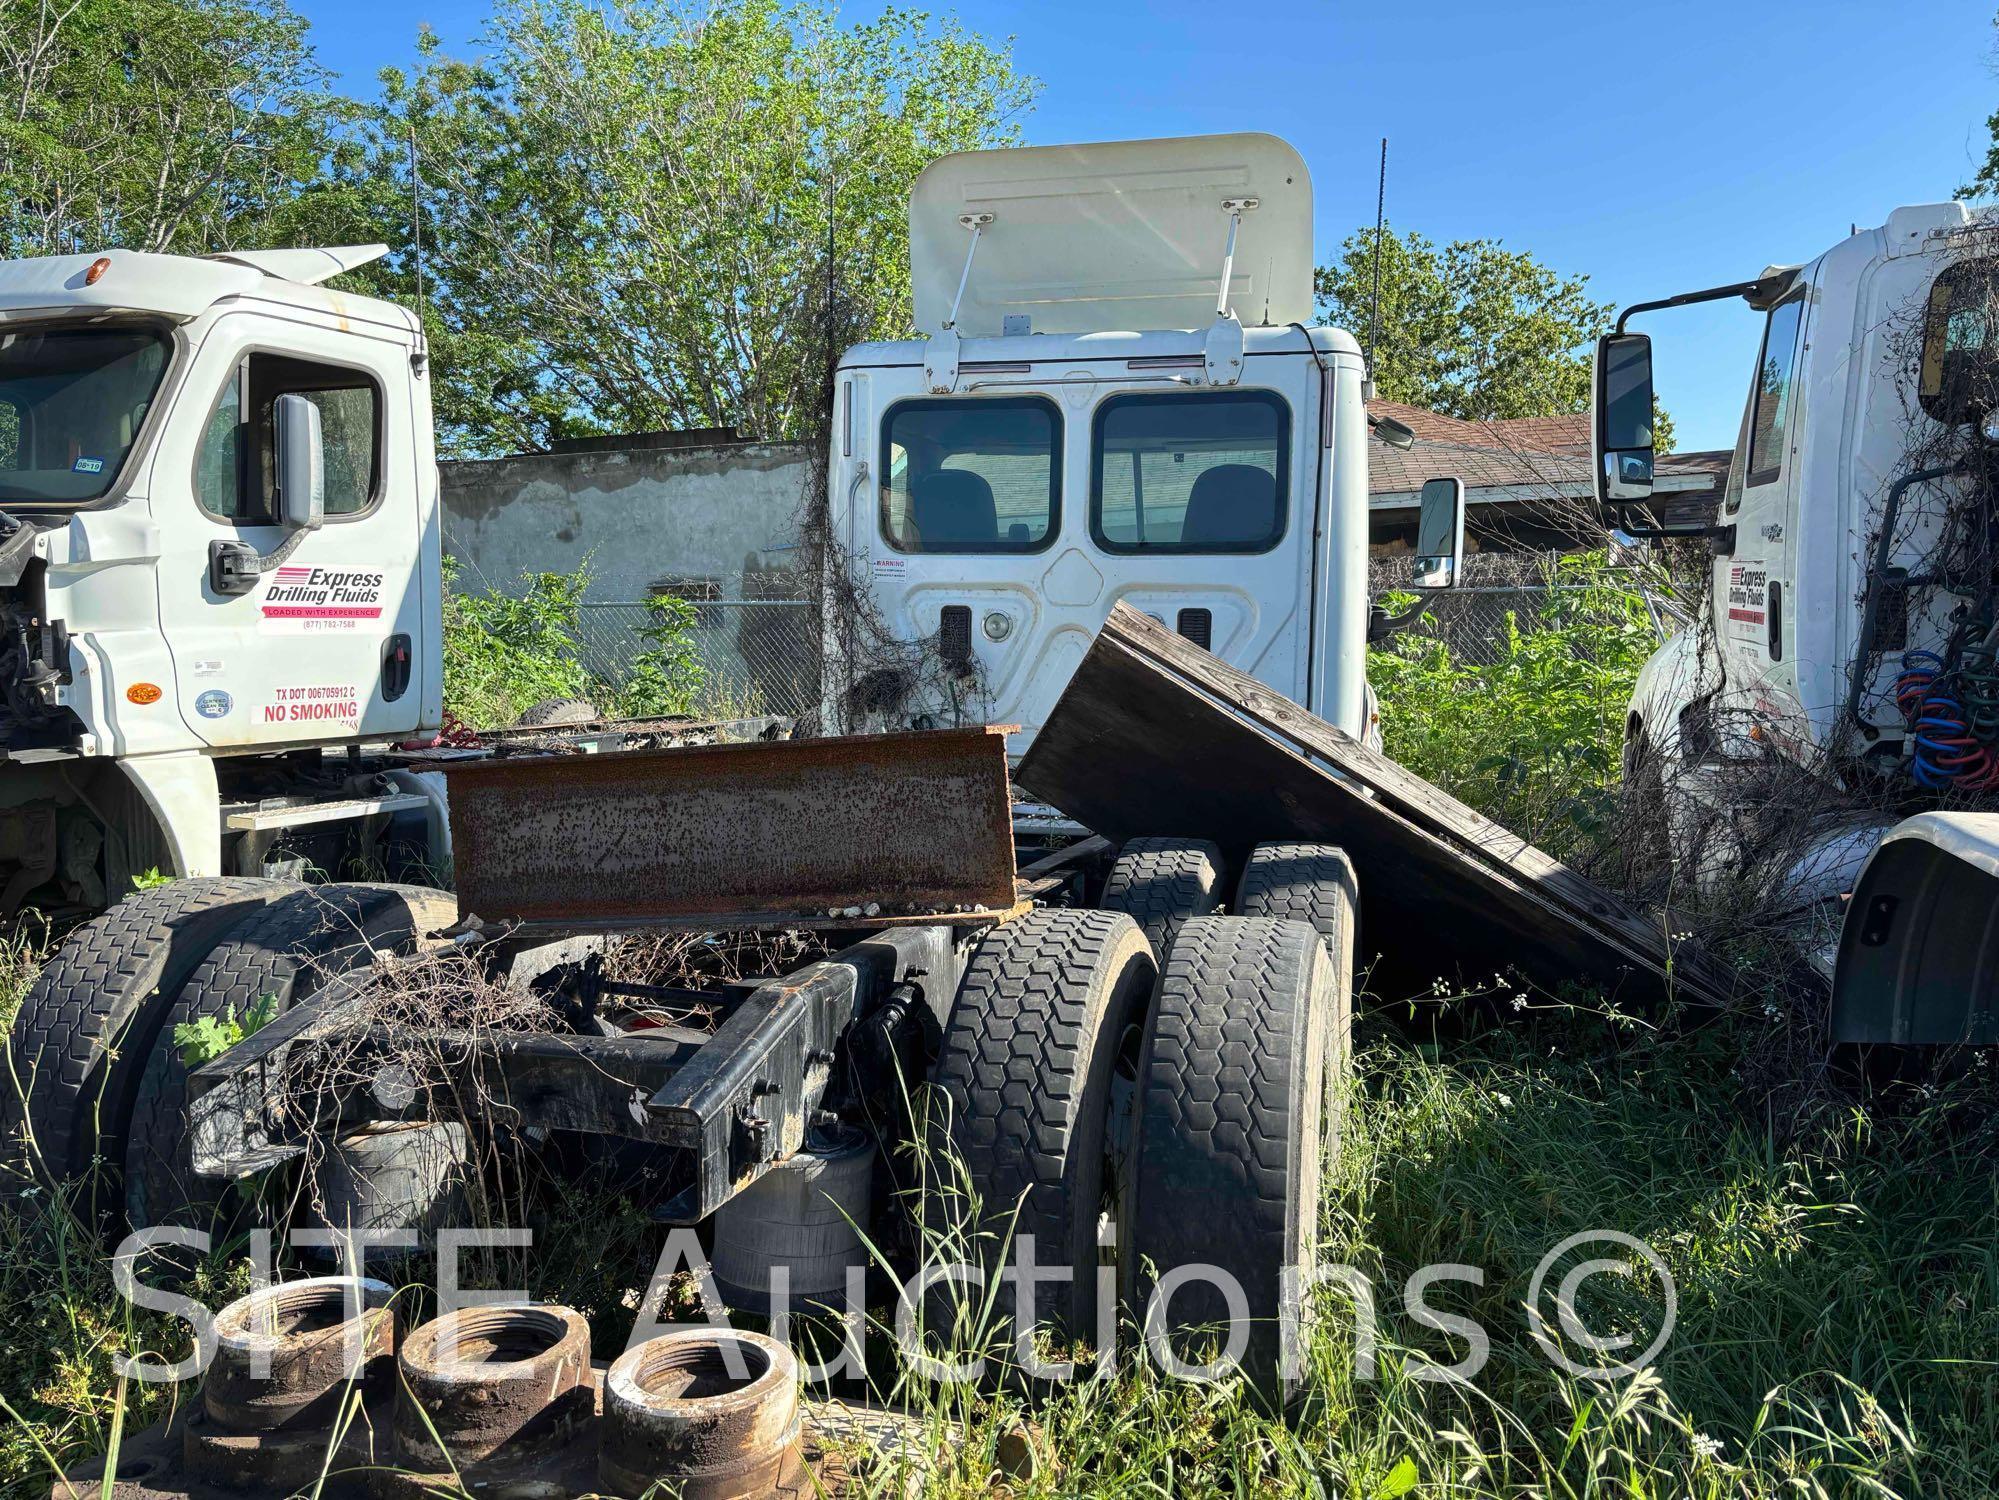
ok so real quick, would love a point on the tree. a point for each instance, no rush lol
(667, 215)
(166, 125)
(1472, 330)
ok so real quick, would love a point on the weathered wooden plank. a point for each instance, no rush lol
(1401, 788)
(1154, 736)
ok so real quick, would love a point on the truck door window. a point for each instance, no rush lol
(1190, 473)
(71, 402)
(1770, 394)
(971, 474)
(236, 466)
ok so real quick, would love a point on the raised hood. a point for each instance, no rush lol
(1117, 235)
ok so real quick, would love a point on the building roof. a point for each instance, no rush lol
(1521, 456)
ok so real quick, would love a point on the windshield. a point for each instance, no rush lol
(71, 401)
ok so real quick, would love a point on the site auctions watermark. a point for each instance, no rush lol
(943, 1292)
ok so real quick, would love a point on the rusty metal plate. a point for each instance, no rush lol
(901, 827)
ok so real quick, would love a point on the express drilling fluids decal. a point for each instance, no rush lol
(316, 598)
(1747, 586)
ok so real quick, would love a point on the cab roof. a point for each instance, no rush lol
(183, 287)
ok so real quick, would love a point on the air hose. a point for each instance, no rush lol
(1948, 752)
(1978, 683)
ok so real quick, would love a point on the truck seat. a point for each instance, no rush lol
(1231, 505)
(953, 508)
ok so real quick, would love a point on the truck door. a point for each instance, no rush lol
(320, 647)
(1755, 616)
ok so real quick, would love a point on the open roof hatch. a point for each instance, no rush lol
(1117, 235)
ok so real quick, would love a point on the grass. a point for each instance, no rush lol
(1838, 1284)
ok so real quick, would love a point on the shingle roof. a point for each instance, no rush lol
(1516, 452)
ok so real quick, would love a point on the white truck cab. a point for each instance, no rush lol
(1849, 630)
(221, 555)
(1120, 397)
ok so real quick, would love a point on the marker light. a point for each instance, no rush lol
(97, 268)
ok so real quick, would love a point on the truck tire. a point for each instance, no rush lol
(285, 952)
(1234, 1126)
(1025, 1072)
(1309, 883)
(554, 713)
(1161, 882)
(86, 1026)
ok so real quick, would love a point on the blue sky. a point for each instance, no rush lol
(1656, 147)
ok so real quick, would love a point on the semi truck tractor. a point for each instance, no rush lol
(1825, 734)
(219, 562)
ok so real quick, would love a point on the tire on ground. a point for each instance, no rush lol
(1309, 883)
(81, 1038)
(285, 953)
(1234, 1128)
(552, 713)
(1161, 882)
(1024, 1074)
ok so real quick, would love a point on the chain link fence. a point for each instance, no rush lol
(757, 656)
(761, 656)
(1472, 618)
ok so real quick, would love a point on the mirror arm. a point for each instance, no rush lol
(1673, 533)
(1762, 289)
(1381, 624)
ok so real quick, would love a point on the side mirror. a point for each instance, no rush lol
(301, 465)
(1440, 535)
(1622, 429)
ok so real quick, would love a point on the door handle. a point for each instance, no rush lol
(233, 567)
(395, 667)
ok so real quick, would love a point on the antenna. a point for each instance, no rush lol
(1374, 297)
(416, 218)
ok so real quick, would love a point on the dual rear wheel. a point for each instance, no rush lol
(96, 1097)
(1182, 1111)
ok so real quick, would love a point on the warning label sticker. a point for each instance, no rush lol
(303, 600)
(336, 704)
(1748, 590)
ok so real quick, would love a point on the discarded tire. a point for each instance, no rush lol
(804, 1215)
(554, 713)
(1250, 1018)
(87, 1025)
(1161, 883)
(1025, 1074)
(703, 1414)
(282, 954)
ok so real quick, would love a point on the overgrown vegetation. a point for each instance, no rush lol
(1532, 738)
(507, 650)
(208, 1037)
(1838, 1298)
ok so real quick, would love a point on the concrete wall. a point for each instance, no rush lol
(724, 513)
